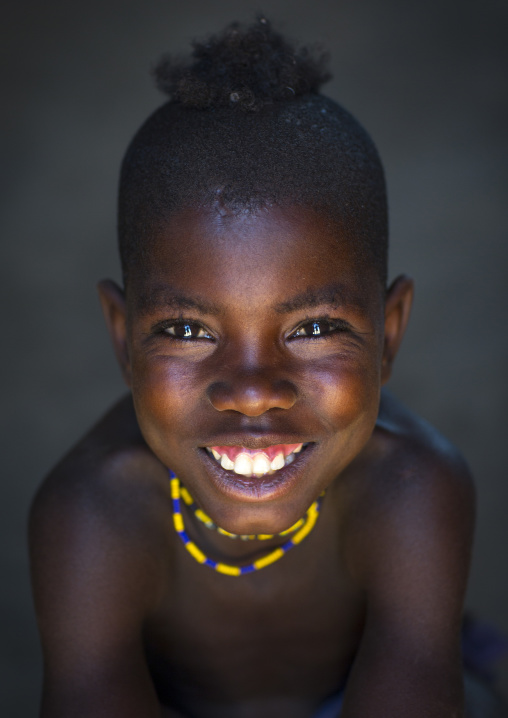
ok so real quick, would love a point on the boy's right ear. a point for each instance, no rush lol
(114, 307)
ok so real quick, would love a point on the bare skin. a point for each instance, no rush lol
(131, 624)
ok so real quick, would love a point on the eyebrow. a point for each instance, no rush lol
(166, 298)
(335, 295)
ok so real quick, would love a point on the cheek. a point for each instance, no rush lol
(348, 394)
(163, 391)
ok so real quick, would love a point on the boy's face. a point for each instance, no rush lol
(259, 333)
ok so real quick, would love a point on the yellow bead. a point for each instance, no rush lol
(228, 570)
(194, 551)
(226, 533)
(271, 558)
(203, 517)
(186, 496)
(292, 528)
(175, 488)
(178, 522)
(297, 538)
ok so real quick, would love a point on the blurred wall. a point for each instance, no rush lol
(428, 81)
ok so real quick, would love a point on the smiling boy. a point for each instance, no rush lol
(256, 529)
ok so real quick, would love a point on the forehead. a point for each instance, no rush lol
(279, 256)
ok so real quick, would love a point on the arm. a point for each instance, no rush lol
(411, 551)
(94, 582)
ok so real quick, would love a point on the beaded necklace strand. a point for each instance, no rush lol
(207, 521)
(177, 492)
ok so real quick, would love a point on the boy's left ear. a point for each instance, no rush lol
(399, 299)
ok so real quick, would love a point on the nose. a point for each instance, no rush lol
(252, 393)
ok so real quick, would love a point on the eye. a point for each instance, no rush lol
(186, 330)
(319, 328)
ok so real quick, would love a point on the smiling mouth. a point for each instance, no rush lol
(255, 462)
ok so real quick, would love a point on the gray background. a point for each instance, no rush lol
(428, 81)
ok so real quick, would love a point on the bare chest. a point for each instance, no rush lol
(277, 635)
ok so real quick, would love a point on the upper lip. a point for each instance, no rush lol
(255, 442)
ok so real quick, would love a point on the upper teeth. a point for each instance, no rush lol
(226, 462)
(258, 464)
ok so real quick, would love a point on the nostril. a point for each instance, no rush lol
(219, 395)
(252, 397)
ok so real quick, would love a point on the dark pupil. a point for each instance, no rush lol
(316, 329)
(183, 330)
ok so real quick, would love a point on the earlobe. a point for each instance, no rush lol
(399, 299)
(112, 299)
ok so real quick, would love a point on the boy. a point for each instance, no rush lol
(255, 530)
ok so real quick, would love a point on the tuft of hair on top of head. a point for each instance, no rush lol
(244, 66)
(246, 129)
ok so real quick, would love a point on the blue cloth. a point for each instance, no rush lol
(483, 645)
(331, 707)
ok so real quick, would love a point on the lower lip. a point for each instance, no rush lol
(250, 488)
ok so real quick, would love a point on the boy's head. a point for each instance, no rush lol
(246, 129)
(253, 237)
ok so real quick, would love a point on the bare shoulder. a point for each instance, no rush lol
(103, 509)
(97, 528)
(413, 498)
(411, 455)
(411, 437)
(111, 466)
(408, 539)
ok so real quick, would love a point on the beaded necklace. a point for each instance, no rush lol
(207, 521)
(178, 492)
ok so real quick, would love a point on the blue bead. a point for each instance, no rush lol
(247, 569)
(209, 562)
